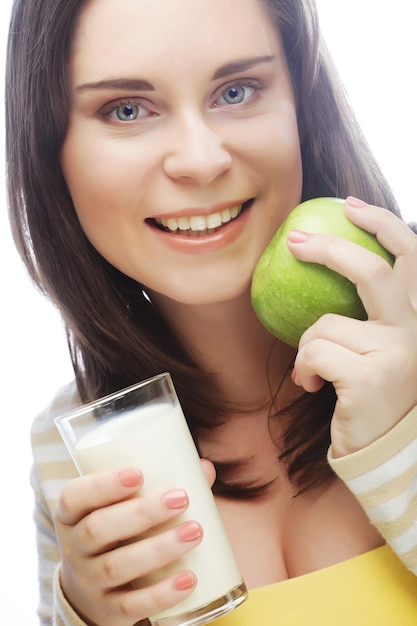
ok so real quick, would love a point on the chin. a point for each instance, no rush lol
(205, 295)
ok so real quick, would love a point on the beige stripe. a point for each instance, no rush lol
(390, 490)
(60, 470)
(46, 437)
(410, 559)
(400, 525)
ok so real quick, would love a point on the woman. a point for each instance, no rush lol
(150, 162)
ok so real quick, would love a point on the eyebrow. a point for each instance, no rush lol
(137, 84)
(118, 84)
(235, 67)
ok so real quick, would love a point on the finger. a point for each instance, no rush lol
(406, 265)
(362, 338)
(310, 383)
(106, 527)
(140, 604)
(373, 393)
(87, 493)
(209, 470)
(355, 335)
(394, 234)
(324, 358)
(138, 559)
(387, 351)
(379, 382)
(391, 231)
(383, 296)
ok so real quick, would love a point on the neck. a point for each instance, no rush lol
(228, 340)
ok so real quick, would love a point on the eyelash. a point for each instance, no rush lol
(256, 85)
(110, 110)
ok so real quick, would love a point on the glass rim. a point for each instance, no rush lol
(114, 395)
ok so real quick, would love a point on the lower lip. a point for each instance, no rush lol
(205, 243)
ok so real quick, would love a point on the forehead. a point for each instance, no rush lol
(155, 35)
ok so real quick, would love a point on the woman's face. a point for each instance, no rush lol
(182, 154)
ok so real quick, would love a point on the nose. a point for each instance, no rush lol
(196, 153)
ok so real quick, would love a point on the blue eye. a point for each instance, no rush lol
(235, 94)
(238, 93)
(127, 112)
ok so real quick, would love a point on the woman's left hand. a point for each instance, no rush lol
(372, 364)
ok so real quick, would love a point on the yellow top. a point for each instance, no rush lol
(373, 589)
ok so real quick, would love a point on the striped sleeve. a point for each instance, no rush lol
(52, 468)
(383, 478)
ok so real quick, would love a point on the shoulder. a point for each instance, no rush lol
(44, 431)
(52, 464)
(66, 399)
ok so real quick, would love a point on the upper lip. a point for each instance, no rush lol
(195, 211)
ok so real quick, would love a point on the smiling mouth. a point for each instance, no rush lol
(200, 225)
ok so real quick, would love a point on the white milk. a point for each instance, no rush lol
(157, 440)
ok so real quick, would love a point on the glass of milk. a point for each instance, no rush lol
(144, 426)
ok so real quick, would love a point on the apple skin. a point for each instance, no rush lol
(289, 295)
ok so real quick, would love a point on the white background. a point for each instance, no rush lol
(374, 45)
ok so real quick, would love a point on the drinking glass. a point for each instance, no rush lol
(144, 426)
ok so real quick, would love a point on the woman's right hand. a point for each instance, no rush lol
(99, 522)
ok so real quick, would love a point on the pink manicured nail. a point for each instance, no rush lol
(130, 477)
(175, 499)
(184, 581)
(297, 236)
(190, 531)
(356, 203)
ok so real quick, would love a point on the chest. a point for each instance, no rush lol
(281, 536)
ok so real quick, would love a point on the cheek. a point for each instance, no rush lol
(95, 188)
(89, 170)
(281, 145)
(102, 179)
(108, 181)
(278, 154)
(271, 145)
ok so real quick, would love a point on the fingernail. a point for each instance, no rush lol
(294, 377)
(185, 580)
(130, 477)
(190, 531)
(175, 499)
(356, 203)
(297, 236)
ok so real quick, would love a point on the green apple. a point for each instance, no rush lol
(289, 295)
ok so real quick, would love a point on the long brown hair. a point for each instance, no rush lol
(115, 334)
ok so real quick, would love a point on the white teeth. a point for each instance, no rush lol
(214, 220)
(172, 223)
(183, 223)
(226, 216)
(199, 223)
